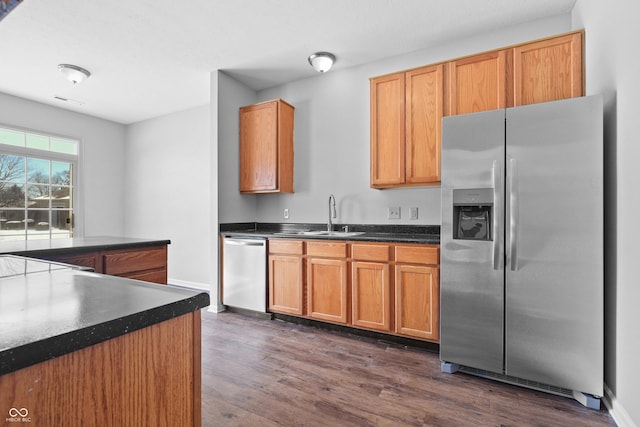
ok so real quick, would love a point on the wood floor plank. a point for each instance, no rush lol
(273, 373)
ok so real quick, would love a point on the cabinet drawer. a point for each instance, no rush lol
(370, 252)
(418, 254)
(123, 262)
(290, 247)
(89, 260)
(153, 276)
(327, 249)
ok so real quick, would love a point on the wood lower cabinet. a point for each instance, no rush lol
(386, 287)
(142, 263)
(327, 281)
(371, 286)
(266, 147)
(149, 264)
(417, 292)
(89, 260)
(286, 292)
(149, 377)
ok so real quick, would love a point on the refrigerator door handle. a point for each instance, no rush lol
(513, 214)
(497, 214)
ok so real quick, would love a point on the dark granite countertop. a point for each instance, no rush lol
(46, 247)
(49, 309)
(423, 234)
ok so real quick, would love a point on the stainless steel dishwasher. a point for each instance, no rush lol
(244, 278)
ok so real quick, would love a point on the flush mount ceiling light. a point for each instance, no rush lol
(322, 61)
(73, 73)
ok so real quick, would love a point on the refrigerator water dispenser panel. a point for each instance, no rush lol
(472, 214)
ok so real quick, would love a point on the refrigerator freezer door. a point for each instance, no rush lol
(471, 271)
(554, 244)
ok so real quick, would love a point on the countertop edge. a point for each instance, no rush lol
(366, 237)
(59, 345)
(89, 248)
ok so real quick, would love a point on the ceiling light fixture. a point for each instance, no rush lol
(322, 61)
(73, 73)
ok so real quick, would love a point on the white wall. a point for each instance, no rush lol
(101, 178)
(612, 68)
(331, 138)
(168, 176)
(234, 207)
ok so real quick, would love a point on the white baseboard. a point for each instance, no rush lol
(216, 308)
(617, 411)
(192, 285)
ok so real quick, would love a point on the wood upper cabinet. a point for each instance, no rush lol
(266, 147)
(424, 98)
(548, 70)
(286, 291)
(417, 292)
(477, 83)
(406, 113)
(387, 130)
(371, 286)
(327, 281)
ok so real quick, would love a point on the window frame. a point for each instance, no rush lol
(77, 227)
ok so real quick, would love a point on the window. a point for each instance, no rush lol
(37, 185)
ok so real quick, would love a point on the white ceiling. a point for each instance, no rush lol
(154, 57)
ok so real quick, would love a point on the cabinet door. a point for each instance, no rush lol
(371, 295)
(258, 147)
(548, 70)
(424, 103)
(477, 83)
(387, 130)
(285, 284)
(417, 301)
(327, 289)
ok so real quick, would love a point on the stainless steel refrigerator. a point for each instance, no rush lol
(522, 246)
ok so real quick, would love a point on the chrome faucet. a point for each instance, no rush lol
(332, 211)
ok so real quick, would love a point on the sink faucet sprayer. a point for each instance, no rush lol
(332, 211)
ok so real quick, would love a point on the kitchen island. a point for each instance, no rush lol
(82, 348)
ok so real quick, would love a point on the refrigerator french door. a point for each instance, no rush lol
(522, 244)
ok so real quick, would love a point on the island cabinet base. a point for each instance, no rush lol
(151, 376)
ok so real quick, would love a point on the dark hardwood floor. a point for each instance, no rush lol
(274, 373)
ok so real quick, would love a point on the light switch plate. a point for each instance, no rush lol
(285, 214)
(393, 212)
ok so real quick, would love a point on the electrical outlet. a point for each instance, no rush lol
(414, 213)
(393, 212)
(285, 214)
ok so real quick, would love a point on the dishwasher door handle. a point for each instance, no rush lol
(245, 242)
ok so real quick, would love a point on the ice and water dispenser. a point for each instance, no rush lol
(472, 214)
